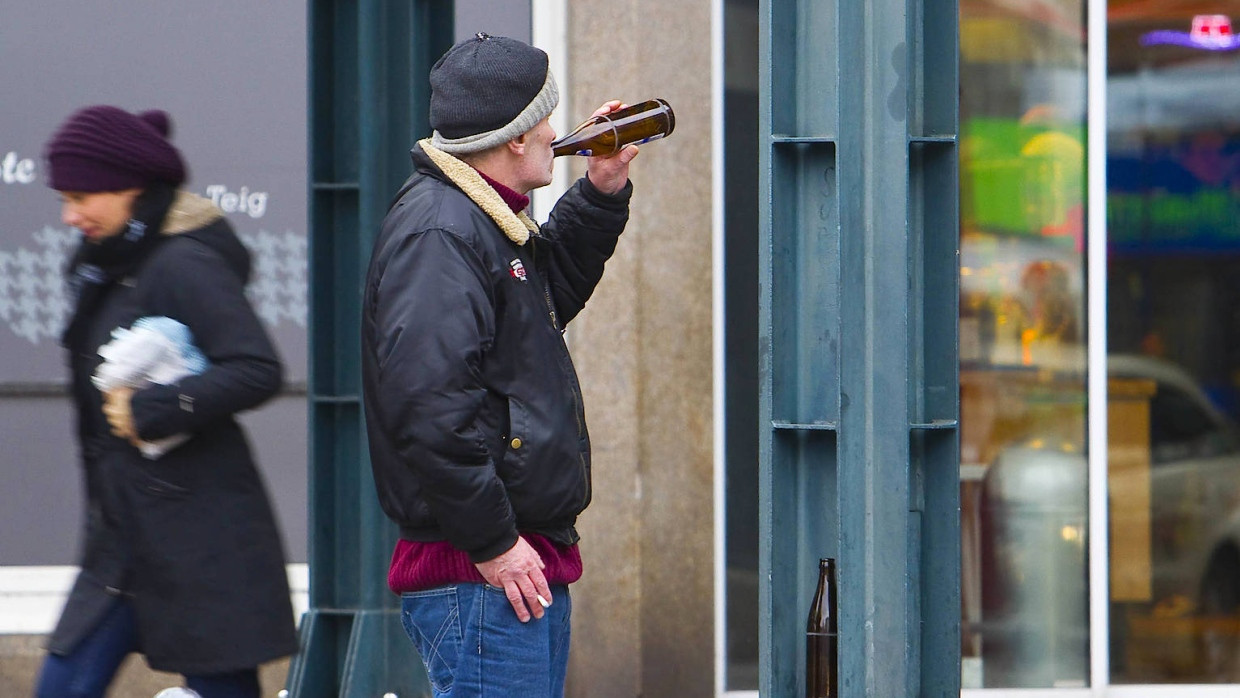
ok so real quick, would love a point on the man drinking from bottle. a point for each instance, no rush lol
(474, 413)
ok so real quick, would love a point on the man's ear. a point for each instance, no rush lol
(516, 146)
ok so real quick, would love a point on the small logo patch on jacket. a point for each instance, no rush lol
(517, 269)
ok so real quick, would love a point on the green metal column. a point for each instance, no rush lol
(859, 367)
(368, 103)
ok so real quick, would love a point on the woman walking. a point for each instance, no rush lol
(181, 558)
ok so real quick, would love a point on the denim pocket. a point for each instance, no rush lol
(432, 620)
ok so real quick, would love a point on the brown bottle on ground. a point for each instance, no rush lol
(822, 636)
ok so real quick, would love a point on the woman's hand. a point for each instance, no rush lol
(120, 416)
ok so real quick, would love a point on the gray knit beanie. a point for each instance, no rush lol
(486, 91)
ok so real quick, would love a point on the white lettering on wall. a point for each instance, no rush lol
(15, 170)
(253, 203)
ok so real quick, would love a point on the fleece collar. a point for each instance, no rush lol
(189, 212)
(516, 226)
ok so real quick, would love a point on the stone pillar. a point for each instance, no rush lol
(644, 611)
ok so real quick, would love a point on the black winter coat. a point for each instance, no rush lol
(190, 538)
(473, 410)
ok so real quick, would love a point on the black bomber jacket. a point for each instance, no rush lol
(473, 410)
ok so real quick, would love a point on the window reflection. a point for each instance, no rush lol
(1022, 345)
(1173, 374)
(1173, 164)
(741, 332)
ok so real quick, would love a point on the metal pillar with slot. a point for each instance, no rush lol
(368, 103)
(859, 378)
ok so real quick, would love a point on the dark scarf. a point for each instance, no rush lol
(97, 267)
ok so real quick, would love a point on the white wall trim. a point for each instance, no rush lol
(1147, 691)
(1026, 693)
(31, 597)
(549, 32)
(1172, 691)
(1096, 299)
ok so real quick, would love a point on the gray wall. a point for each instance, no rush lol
(499, 17)
(233, 76)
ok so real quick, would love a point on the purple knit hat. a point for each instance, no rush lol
(104, 148)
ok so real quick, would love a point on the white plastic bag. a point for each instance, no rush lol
(155, 350)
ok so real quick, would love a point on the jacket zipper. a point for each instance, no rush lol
(551, 308)
(574, 388)
(546, 287)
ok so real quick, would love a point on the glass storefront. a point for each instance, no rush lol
(1170, 395)
(1173, 338)
(1172, 298)
(740, 371)
(1022, 345)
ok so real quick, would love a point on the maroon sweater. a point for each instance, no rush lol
(417, 566)
(426, 565)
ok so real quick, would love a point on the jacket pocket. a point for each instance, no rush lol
(156, 487)
(517, 442)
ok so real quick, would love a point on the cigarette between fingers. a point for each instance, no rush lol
(545, 603)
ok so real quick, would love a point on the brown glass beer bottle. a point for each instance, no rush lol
(822, 636)
(604, 135)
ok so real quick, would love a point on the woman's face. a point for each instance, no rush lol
(98, 214)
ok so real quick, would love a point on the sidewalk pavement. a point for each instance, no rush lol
(21, 655)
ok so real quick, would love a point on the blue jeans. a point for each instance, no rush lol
(89, 669)
(473, 646)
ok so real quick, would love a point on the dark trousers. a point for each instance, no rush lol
(89, 669)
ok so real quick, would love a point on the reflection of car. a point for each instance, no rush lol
(1194, 480)
(1194, 508)
(1034, 594)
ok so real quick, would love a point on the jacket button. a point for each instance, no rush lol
(516, 443)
